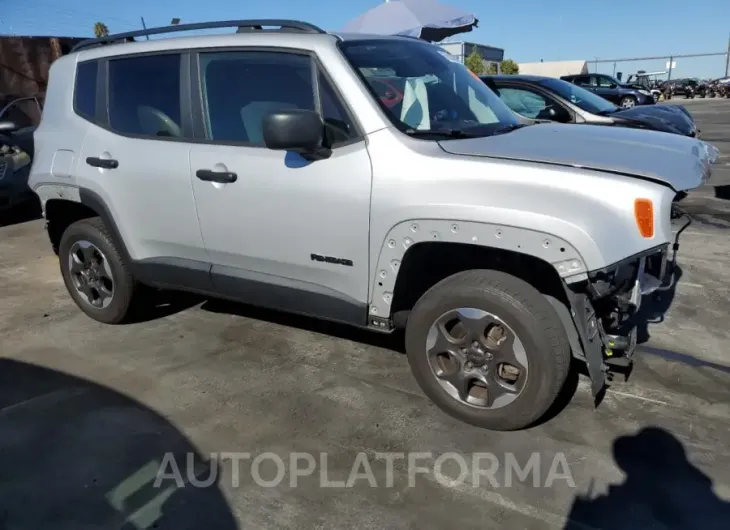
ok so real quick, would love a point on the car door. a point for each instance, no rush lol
(281, 231)
(606, 88)
(24, 112)
(532, 103)
(134, 158)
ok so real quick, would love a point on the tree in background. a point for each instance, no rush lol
(475, 63)
(508, 67)
(101, 30)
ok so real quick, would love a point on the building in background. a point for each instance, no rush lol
(24, 64)
(461, 50)
(554, 68)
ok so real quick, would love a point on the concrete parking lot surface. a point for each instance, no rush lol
(89, 412)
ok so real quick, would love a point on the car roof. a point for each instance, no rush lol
(375, 36)
(518, 77)
(175, 41)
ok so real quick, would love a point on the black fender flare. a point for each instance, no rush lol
(93, 200)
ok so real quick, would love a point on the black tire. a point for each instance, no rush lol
(125, 287)
(626, 99)
(522, 308)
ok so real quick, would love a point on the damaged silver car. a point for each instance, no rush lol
(366, 180)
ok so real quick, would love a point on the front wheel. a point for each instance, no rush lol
(489, 349)
(628, 102)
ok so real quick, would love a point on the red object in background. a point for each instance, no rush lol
(387, 92)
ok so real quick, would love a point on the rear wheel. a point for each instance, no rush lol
(628, 102)
(95, 274)
(489, 349)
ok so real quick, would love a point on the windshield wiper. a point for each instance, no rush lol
(509, 128)
(448, 133)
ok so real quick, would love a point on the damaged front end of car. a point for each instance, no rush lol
(607, 307)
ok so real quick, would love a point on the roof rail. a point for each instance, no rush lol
(242, 25)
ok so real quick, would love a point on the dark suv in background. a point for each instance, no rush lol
(681, 87)
(612, 89)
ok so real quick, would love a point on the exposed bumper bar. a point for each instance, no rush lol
(651, 276)
(647, 283)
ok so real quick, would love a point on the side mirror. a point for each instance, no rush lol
(7, 126)
(296, 130)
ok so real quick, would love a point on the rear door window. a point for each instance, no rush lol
(524, 102)
(144, 96)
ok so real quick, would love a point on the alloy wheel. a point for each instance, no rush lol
(91, 274)
(477, 358)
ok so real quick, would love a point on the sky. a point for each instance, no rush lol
(528, 30)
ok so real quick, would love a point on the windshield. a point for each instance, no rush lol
(582, 98)
(423, 91)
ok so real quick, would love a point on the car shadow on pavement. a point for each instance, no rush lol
(394, 341)
(160, 303)
(75, 454)
(662, 489)
(654, 308)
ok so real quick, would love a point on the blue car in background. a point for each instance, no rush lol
(612, 89)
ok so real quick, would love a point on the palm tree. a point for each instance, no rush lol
(100, 30)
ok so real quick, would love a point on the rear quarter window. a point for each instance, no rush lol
(85, 89)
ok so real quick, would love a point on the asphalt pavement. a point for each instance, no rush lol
(211, 415)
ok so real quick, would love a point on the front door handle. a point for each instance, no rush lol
(224, 177)
(106, 163)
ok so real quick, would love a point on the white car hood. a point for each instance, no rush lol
(671, 159)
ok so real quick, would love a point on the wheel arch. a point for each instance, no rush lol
(443, 247)
(62, 207)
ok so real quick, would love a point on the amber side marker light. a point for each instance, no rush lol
(644, 215)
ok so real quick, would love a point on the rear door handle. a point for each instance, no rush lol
(224, 177)
(106, 163)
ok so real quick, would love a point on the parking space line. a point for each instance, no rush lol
(37, 401)
(693, 233)
(642, 398)
(690, 284)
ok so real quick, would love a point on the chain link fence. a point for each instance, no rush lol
(702, 66)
